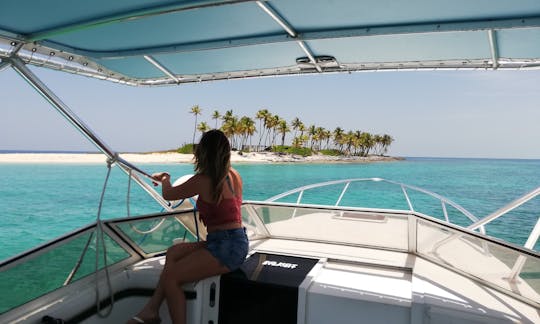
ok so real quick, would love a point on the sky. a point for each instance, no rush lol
(475, 114)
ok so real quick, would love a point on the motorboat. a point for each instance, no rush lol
(334, 261)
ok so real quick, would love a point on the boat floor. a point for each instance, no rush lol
(362, 285)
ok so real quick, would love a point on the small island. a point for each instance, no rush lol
(308, 144)
(251, 144)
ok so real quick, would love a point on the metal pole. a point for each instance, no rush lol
(512, 205)
(520, 262)
(342, 193)
(18, 65)
(3, 65)
(492, 36)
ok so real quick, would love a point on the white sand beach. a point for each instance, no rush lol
(169, 157)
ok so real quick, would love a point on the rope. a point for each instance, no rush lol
(129, 212)
(145, 233)
(79, 261)
(100, 239)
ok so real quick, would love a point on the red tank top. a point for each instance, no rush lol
(228, 210)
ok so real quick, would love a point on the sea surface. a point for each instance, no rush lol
(39, 202)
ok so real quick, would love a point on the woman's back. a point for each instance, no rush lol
(224, 213)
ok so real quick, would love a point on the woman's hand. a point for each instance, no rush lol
(161, 176)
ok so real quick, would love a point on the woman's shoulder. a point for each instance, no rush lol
(235, 172)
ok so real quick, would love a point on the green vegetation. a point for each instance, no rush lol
(331, 152)
(303, 151)
(273, 130)
(186, 149)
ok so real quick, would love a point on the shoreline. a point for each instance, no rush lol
(171, 157)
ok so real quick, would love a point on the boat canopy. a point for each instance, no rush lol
(159, 42)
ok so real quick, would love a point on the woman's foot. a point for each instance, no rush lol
(139, 318)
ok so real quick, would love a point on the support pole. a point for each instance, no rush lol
(494, 48)
(3, 65)
(18, 65)
(520, 262)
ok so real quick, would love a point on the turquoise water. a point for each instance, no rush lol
(42, 201)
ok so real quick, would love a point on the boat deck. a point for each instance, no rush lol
(322, 265)
(360, 285)
(424, 287)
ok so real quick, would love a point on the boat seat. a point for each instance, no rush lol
(265, 283)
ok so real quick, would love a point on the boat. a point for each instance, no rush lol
(331, 262)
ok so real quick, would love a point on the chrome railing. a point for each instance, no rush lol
(478, 224)
(404, 187)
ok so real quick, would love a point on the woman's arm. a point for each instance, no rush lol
(190, 188)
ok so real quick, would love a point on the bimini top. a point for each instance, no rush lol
(156, 42)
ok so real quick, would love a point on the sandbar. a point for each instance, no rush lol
(171, 157)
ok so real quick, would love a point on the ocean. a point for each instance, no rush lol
(42, 201)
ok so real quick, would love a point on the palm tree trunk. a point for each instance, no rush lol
(194, 130)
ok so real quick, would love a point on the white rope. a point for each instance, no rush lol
(79, 261)
(100, 239)
(129, 212)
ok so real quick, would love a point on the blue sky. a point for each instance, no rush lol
(488, 114)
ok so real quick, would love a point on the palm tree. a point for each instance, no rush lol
(273, 124)
(261, 116)
(348, 139)
(377, 144)
(338, 138)
(297, 141)
(365, 142)
(246, 128)
(312, 131)
(319, 134)
(386, 142)
(195, 110)
(229, 128)
(251, 129)
(304, 139)
(268, 125)
(302, 129)
(283, 130)
(203, 127)
(227, 116)
(327, 135)
(358, 143)
(296, 125)
(216, 115)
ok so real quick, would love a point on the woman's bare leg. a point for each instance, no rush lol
(195, 266)
(174, 253)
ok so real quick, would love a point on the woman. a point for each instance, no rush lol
(219, 187)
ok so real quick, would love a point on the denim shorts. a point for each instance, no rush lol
(230, 247)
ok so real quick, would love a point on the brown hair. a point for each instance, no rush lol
(213, 159)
